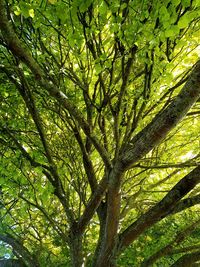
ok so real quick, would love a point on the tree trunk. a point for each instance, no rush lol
(76, 250)
(101, 211)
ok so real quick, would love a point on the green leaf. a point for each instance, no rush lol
(31, 13)
(186, 3)
(17, 11)
(164, 14)
(98, 68)
(103, 8)
(84, 5)
(52, 1)
(172, 31)
(183, 22)
(169, 33)
(123, 6)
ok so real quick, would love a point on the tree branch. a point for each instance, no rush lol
(48, 217)
(185, 249)
(186, 203)
(139, 146)
(25, 92)
(160, 210)
(169, 247)
(187, 260)
(19, 50)
(163, 122)
(92, 205)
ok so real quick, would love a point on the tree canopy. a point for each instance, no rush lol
(99, 132)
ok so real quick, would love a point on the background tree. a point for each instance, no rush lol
(99, 132)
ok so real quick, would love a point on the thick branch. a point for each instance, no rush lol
(92, 205)
(169, 165)
(140, 145)
(160, 210)
(165, 121)
(185, 249)
(112, 220)
(186, 203)
(187, 260)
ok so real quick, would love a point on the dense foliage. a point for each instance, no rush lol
(99, 132)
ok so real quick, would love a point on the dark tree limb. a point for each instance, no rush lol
(185, 249)
(139, 146)
(163, 122)
(92, 205)
(186, 203)
(160, 210)
(188, 260)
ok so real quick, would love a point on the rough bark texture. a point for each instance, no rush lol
(110, 236)
(76, 250)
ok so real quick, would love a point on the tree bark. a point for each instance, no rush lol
(139, 146)
(163, 122)
(76, 250)
(110, 235)
(186, 203)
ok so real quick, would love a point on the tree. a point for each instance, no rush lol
(99, 132)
